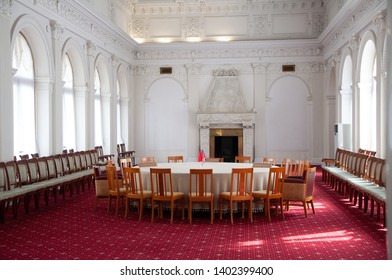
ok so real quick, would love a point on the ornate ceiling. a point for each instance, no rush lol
(224, 20)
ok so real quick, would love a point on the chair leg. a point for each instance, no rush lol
(126, 207)
(152, 210)
(190, 212)
(305, 208)
(281, 208)
(268, 210)
(212, 211)
(250, 211)
(117, 204)
(220, 209)
(231, 212)
(171, 212)
(140, 209)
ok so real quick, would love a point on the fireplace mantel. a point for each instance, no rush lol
(246, 121)
(228, 120)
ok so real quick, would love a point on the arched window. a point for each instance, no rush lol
(68, 106)
(97, 110)
(367, 98)
(24, 98)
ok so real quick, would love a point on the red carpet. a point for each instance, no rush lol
(72, 229)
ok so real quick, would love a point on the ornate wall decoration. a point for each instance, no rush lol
(319, 22)
(350, 24)
(260, 24)
(6, 7)
(233, 52)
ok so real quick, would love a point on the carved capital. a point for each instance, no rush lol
(6, 7)
(90, 47)
(56, 29)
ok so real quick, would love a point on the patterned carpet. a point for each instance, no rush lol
(72, 229)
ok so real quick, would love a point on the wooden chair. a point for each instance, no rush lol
(115, 189)
(3, 189)
(162, 192)
(123, 153)
(300, 190)
(35, 155)
(102, 158)
(134, 189)
(201, 189)
(175, 159)
(25, 156)
(273, 192)
(242, 159)
(272, 161)
(214, 159)
(241, 187)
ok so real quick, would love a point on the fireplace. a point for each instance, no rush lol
(226, 143)
(226, 123)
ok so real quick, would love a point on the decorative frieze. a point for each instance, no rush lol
(240, 52)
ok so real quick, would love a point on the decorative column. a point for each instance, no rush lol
(90, 49)
(113, 105)
(42, 89)
(81, 94)
(6, 92)
(56, 107)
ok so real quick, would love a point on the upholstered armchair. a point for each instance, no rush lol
(299, 190)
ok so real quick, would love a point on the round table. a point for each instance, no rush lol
(221, 177)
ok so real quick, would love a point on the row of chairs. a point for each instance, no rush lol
(26, 178)
(201, 189)
(359, 177)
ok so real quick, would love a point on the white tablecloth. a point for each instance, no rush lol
(221, 177)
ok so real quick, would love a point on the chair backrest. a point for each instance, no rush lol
(132, 179)
(125, 162)
(175, 159)
(122, 148)
(52, 171)
(43, 168)
(288, 165)
(25, 156)
(242, 159)
(3, 178)
(311, 179)
(262, 165)
(276, 178)
(201, 182)
(214, 159)
(23, 172)
(118, 149)
(146, 159)
(147, 164)
(12, 174)
(270, 160)
(32, 170)
(241, 182)
(161, 182)
(71, 163)
(99, 150)
(35, 155)
(112, 177)
(297, 168)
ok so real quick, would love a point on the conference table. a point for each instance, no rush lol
(221, 177)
